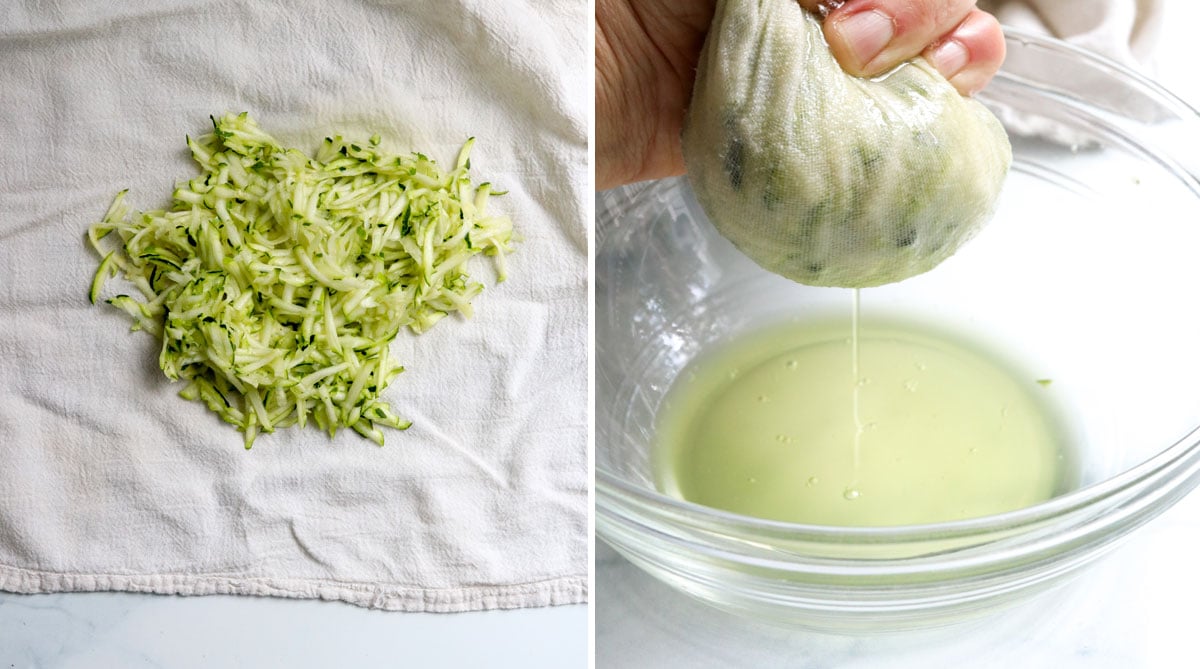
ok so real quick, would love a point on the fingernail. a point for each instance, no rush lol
(866, 34)
(949, 58)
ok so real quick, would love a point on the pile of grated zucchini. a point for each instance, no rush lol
(277, 281)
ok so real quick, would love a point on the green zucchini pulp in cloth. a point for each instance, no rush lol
(826, 178)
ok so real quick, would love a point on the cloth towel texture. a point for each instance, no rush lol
(110, 481)
(1122, 30)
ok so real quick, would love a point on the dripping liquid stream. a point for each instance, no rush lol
(852, 488)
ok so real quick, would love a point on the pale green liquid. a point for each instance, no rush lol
(781, 426)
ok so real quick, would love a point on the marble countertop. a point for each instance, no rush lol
(135, 631)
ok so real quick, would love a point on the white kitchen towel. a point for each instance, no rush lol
(1122, 30)
(110, 481)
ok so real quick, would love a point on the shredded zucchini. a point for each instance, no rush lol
(276, 281)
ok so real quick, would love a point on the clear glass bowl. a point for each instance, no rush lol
(1086, 276)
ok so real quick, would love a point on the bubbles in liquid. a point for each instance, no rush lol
(723, 433)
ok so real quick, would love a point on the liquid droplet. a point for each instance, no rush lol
(764, 399)
(812, 481)
(972, 450)
(863, 381)
(910, 385)
(870, 425)
(752, 480)
(733, 373)
(783, 439)
(851, 494)
(791, 364)
(921, 367)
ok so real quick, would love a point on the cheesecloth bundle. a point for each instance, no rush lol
(826, 178)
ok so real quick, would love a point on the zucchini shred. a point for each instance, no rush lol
(276, 282)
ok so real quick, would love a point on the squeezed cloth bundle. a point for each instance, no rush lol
(110, 481)
(829, 179)
(834, 180)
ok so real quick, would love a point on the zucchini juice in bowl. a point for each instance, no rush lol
(859, 424)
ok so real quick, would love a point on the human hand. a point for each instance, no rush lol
(647, 51)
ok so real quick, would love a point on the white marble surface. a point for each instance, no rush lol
(120, 631)
(1133, 610)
